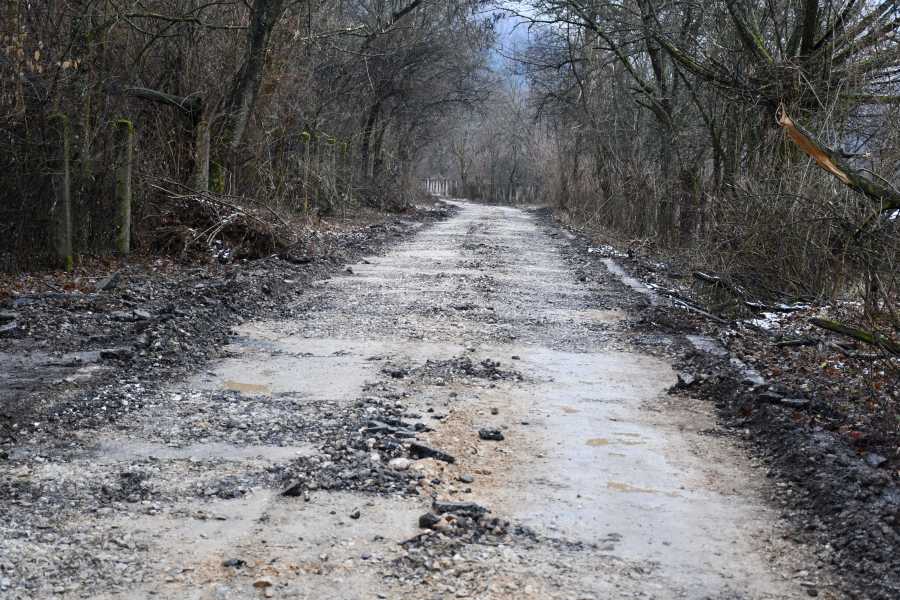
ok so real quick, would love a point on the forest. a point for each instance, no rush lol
(755, 139)
(279, 106)
(683, 124)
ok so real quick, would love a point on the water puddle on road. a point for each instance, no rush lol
(251, 389)
(614, 442)
(631, 282)
(618, 486)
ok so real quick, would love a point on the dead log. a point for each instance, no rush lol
(797, 342)
(854, 355)
(869, 337)
(719, 282)
(699, 311)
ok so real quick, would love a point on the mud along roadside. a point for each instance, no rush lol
(77, 359)
(803, 412)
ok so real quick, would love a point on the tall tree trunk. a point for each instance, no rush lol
(245, 88)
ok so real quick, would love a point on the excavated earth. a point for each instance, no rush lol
(477, 379)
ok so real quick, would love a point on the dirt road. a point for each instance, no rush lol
(602, 486)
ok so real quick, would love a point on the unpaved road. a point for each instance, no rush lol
(611, 487)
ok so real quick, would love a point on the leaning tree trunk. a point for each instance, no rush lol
(245, 88)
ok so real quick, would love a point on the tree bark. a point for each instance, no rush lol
(62, 183)
(124, 143)
(245, 88)
(368, 131)
(201, 156)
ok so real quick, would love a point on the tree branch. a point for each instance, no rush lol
(834, 163)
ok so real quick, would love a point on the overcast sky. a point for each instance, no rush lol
(512, 35)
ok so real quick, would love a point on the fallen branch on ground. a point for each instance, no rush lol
(872, 338)
(699, 311)
(721, 283)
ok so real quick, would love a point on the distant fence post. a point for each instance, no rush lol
(201, 156)
(123, 133)
(62, 185)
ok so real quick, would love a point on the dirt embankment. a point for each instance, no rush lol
(819, 411)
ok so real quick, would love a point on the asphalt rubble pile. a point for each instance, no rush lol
(437, 371)
(803, 401)
(457, 541)
(367, 450)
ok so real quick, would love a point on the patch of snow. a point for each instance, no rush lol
(768, 321)
(607, 251)
(707, 344)
(790, 307)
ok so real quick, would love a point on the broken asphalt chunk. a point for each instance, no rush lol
(468, 509)
(686, 379)
(417, 450)
(296, 490)
(491, 433)
(235, 563)
(396, 373)
(429, 520)
(374, 426)
(109, 282)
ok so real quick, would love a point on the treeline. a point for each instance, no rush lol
(490, 154)
(303, 106)
(666, 123)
